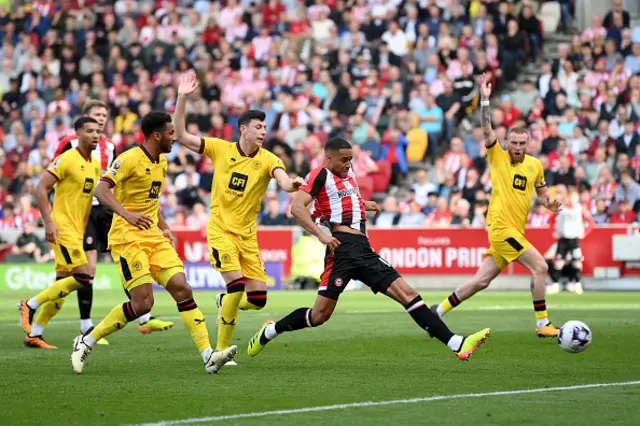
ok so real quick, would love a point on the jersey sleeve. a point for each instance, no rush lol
(275, 163)
(314, 181)
(64, 145)
(211, 147)
(59, 167)
(119, 170)
(496, 153)
(540, 182)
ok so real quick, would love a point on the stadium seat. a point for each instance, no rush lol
(366, 184)
(549, 15)
(382, 177)
(418, 144)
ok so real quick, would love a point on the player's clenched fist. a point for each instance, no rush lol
(329, 241)
(138, 220)
(51, 232)
(297, 183)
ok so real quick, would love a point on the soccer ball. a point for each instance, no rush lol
(574, 336)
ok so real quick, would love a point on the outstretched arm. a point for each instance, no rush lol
(285, 182)
(485, 111)
(187, 86)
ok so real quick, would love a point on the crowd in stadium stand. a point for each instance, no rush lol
(398, 78)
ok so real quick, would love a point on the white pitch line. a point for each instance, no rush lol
(382, 403)
(565, 307)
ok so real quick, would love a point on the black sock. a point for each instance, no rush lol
(575, 275)
(85, 299)
(296, 320)
(427, 320)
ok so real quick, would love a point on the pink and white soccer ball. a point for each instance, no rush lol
(574, 336)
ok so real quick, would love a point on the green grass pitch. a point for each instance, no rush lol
(370, 351)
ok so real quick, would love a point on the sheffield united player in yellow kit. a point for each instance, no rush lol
(74, 174)
(243, 171)
(514, 177)
(140, 244)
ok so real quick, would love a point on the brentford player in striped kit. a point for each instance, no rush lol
(338, 204)
(96, 233)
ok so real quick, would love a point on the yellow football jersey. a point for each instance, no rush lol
(138, 181)
(513, 185)
(239, 184)
(77, 178)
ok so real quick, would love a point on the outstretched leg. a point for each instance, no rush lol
(535, 262)
(487, 272)
(463, 347)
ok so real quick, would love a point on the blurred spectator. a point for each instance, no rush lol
(29, 247)
(273, 215)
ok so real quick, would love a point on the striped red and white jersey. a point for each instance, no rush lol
(105, 152)
(336, 200)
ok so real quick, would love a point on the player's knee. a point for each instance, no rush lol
(85, 279)
(577, 264)
(142, 304)
(320, 316)
(183, 293)
(540, 268)
(559, 264)
(257, 298)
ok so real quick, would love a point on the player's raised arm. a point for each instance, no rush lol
(485, 110)
(188, 84)
(47, 180)
(285, 182)
(300, 210)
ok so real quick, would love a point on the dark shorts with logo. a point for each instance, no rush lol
(96, 236)
(354, 260)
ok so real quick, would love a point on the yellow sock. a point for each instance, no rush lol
(58, 290)
(253, 300)
(193, 320)
(117, 319)
(229, 313)
(49, 310)
(540, 308)
(450, 302)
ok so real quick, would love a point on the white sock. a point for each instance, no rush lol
(542, 323)
(36, 330)
(144, 318)
(32, 303)
(441, 311)
(89, 340)
(270, 331)
(455, 343)
(85, 325)
(206, 354)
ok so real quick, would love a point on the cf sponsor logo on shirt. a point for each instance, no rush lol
(238, 182)
(519, 182)
(88, 186)
(154, 192)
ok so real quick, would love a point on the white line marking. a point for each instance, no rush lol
(559, 307)
(382, 403)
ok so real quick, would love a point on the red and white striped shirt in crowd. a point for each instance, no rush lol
(105, 152)
(337, 200)
(539, 220)
(261, 47)
(606, 190)
(590, 33)
(165, 32)
(593, 78)
(455, 161)
(46, 8)
(232, 93)
(492, 56)
(455, 69)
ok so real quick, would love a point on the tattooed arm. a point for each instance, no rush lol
(485, 111)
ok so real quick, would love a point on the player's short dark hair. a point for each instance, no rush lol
(336, 144)
(93, 103)
(155, 121)
(252, 114)
(80, 122)
(519, 131)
